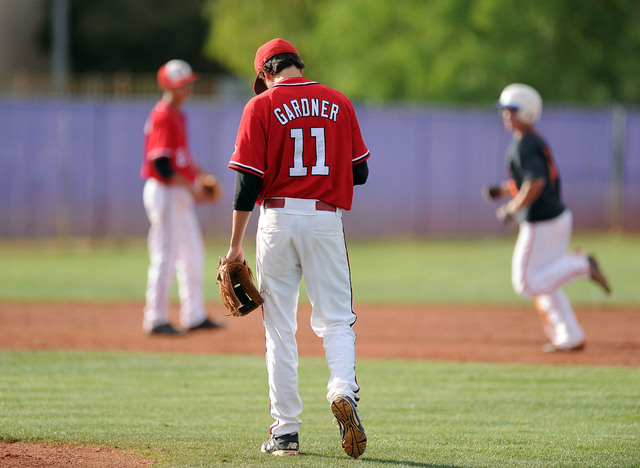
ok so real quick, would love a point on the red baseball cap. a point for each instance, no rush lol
(265, 52)
(175, 74)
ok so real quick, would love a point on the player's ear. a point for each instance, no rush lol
(268, 79)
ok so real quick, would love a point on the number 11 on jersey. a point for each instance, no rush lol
(299, 169)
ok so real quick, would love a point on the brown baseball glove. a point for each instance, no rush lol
(211, 188)
(237, 291)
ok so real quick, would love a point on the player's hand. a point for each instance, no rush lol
(505, 213)
(235, 255)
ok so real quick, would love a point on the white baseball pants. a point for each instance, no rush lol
(175, 247)
(541, 266)
(293, 241)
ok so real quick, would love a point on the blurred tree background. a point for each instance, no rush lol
(436, 51)
(137, 36)
(444, 50)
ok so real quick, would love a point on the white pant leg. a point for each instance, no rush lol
(541, 265)
(161, 245)
(558, 319)
(189, 260)
(327, 276)
(279, 275)
(175, 246)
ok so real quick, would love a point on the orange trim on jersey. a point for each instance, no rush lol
(513, 188)
(551, 165)
(553, 170)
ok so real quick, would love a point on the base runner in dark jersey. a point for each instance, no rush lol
(541, 264)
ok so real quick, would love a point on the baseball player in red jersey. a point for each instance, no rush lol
(298, 154)
(172, 188)
(541, 263)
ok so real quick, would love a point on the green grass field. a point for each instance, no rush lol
(209, 410)
(194, 410)
(383, 271)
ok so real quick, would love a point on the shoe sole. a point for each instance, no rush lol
(282, 453)
(354, 441)
(551, 348)
(209, 327)
(596, 275)
(279, 452)
(165, 333)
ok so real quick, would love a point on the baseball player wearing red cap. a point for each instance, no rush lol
(541, 263)
(171, 190)
(299, 152)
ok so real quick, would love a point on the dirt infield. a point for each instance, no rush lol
(456, 333)
(22, 454)
(453, 333)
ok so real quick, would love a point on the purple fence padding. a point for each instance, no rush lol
(73, 168)
(632, 173)
(426, 172)
(581, 145)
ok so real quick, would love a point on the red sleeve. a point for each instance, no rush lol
(162, 137)
(360, 151)
(251, 141)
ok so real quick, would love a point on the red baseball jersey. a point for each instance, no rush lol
(165, 134)
(302, 138)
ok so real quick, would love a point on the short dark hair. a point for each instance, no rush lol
(279, 62)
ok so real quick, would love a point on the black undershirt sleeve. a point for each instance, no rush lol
(163, 165)
(360, 173)
(246, 191)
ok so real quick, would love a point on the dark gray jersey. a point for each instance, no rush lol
(530, 158)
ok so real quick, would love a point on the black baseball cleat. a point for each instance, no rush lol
(206, 325)
(596, 274)
(354, 440)
(164, 329)
(281, 445)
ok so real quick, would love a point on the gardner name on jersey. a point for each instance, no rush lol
(304, 107)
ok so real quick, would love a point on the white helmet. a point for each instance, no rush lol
(524, 99)
(175, 74)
